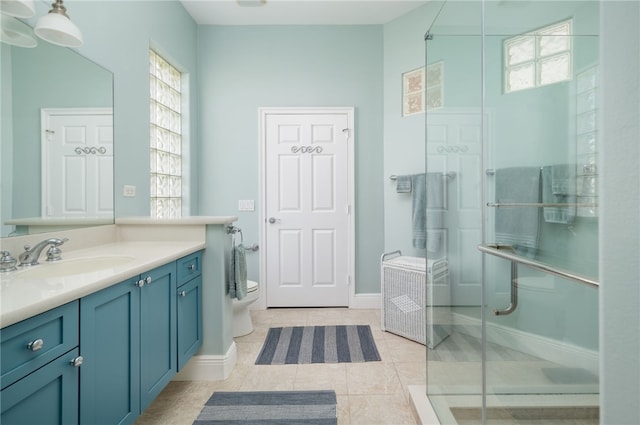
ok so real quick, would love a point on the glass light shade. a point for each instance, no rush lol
(18, 8)
(16, 33)
(58, 29)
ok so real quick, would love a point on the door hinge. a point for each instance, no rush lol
(348, 280)
(348, 209)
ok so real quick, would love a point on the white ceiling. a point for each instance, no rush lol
(299, 12)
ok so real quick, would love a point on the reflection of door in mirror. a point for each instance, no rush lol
(77, 162)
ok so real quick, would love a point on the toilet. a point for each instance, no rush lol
(242, 324)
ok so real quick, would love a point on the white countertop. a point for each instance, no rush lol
(191, 220)
(23, 297)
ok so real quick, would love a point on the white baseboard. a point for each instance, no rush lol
(365, 301)
(546, 348)
(209, 367)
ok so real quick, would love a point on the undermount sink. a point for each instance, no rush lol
(75, 266)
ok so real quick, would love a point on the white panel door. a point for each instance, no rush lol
(77, 163)
(307, 209)
(455, 146)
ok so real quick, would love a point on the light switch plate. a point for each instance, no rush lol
(128, 191)
(246, 205)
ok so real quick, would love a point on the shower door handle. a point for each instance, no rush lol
(274, 220)
(514, 293)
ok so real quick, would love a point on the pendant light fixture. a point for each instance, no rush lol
(18, 8)
(16, 33)
(56, 27)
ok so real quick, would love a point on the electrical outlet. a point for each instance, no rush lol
(128, 191)
(246, 205)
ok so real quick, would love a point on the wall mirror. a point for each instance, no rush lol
(56, 140)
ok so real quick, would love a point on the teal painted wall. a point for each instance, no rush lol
(124, 50)
(243, 68)
(620, 201)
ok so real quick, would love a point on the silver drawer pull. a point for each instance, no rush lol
(36, 345)
(182, 293)
(192, 267)
(77, 362)
(147, 280)
(140, 283)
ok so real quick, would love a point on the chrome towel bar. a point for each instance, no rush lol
(448, 175)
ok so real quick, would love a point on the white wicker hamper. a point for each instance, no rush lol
(404, 296)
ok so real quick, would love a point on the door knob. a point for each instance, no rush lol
(273, 220)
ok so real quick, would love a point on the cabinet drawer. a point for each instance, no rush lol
(47, 396)
(189, 267)
(56, 332)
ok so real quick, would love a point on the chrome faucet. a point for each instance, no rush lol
(30, 255)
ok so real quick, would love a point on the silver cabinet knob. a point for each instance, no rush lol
(77, 361)
(273, 220)
(147, 280)
(182, 293)
(192, 267)
(36, 345)
(140, 283)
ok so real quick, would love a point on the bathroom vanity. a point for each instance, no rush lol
(130, 339)
(95, 337)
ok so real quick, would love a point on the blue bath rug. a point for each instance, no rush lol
(318, 344)
(270, 408)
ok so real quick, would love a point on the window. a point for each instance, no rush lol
(165, 138)
(539, 58)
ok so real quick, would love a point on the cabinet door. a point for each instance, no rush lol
(110, 345)
(189, 320)
(48, 396)
(158, 343)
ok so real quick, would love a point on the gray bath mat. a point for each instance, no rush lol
(270, 408)
(318, 344)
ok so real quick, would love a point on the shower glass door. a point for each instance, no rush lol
(519, 128)
(454, 147)
(541, 303)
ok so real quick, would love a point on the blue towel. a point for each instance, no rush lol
(427, 211)
(559, 187)
(403, 184)
(518, 226)
(237, 273)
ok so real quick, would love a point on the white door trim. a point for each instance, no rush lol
(262, 114)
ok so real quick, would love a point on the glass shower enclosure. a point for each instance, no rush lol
(515, 135)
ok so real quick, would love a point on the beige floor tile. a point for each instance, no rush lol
(321, 376)
(380, 409)
(247, 352)
(344, 417)
(270, 378)
(372, 378)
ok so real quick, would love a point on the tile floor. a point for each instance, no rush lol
(368, 393)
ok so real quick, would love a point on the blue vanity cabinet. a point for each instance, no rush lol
(128, 340)
(158, 332)
(110, 344)
(40, 370)
(189, 307)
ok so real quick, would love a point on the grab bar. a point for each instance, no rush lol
(507, 252)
